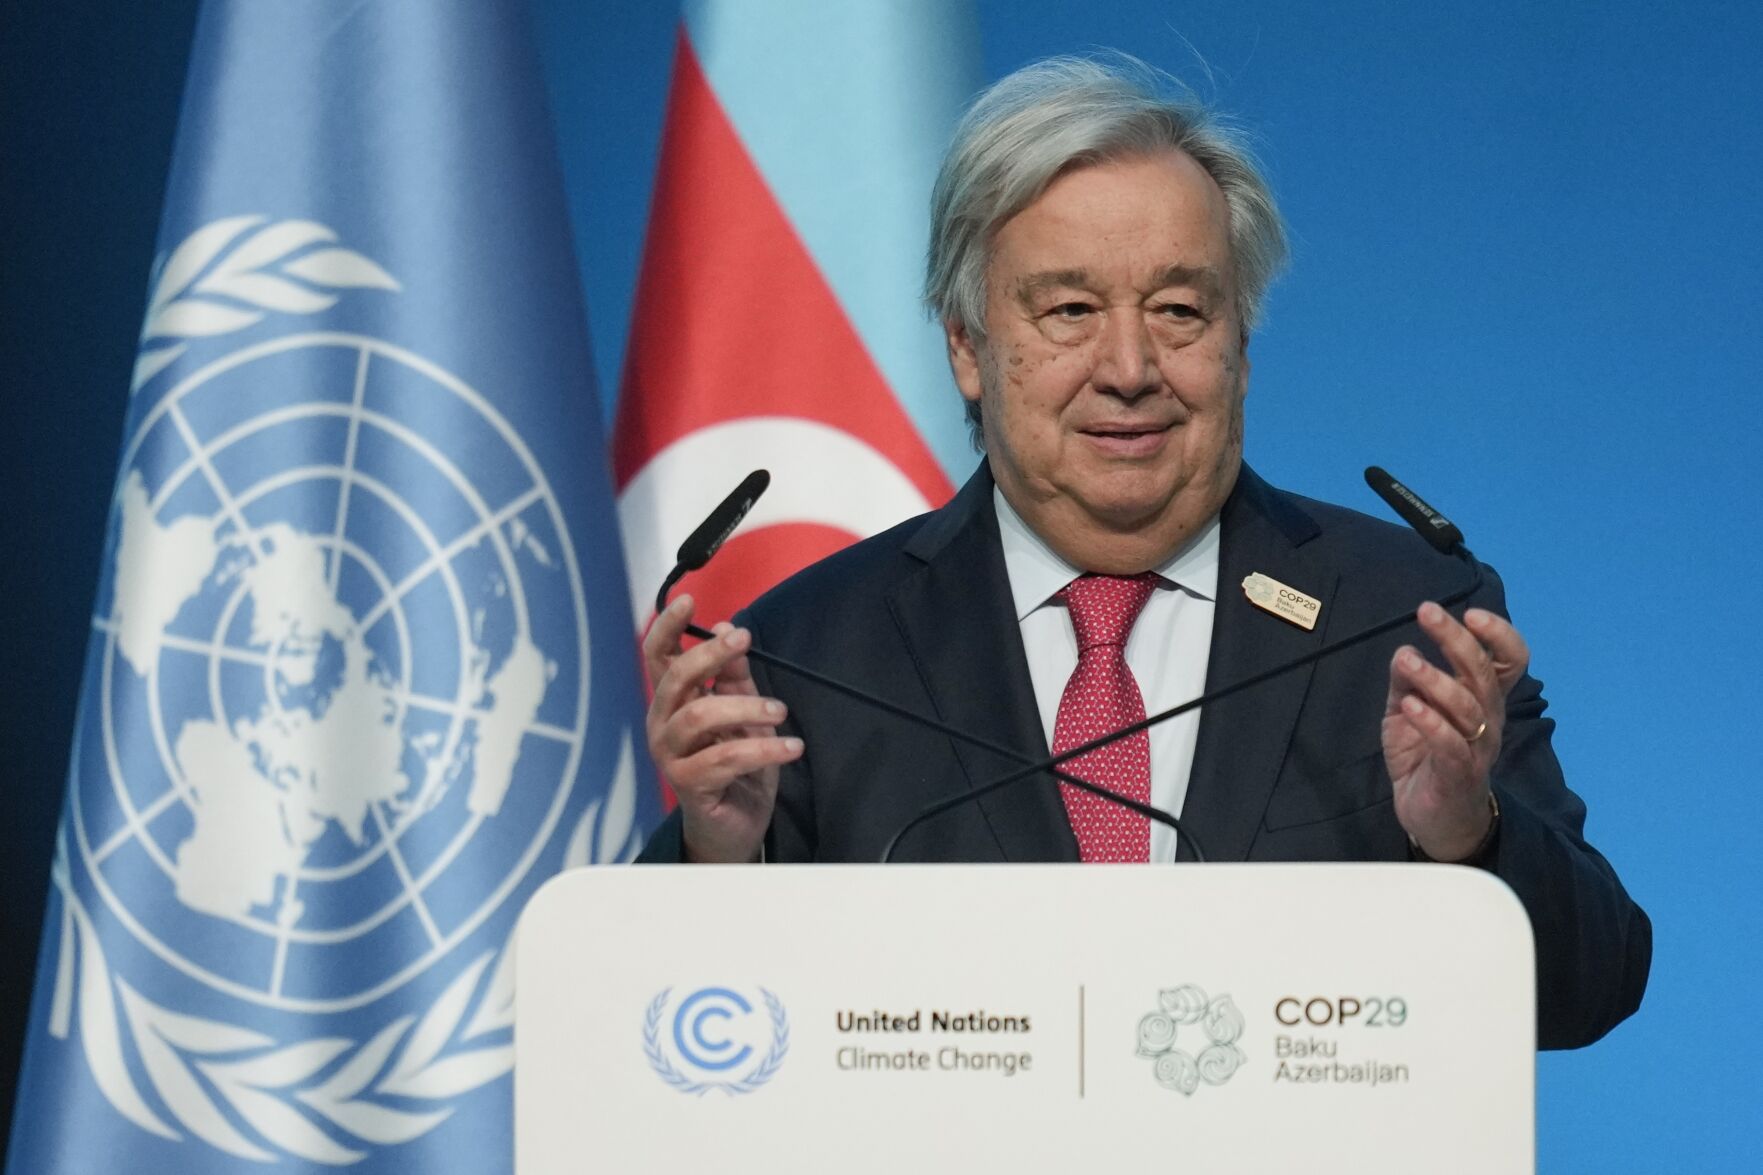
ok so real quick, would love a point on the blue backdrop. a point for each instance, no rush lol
(1526, 279)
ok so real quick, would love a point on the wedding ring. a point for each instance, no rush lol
(1479, 731)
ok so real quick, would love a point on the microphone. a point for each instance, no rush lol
(1432, 526)
(704, 542)
(707, 539)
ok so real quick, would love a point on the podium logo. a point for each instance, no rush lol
(716, 1038)
(1190, 1039)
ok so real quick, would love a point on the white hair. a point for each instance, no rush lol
(1064, 112)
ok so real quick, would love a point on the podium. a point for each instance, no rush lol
(1359, 1019)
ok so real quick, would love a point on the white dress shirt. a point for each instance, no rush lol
(1167, 651)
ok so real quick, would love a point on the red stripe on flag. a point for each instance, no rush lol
(733, 318)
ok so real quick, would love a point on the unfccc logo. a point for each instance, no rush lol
(716, 1038)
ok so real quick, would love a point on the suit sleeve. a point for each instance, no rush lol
(1594, 944)
(790, 839)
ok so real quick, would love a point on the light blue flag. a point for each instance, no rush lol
(361, 674)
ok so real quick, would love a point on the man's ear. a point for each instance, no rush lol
(964, 358)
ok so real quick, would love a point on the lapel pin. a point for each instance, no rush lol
(1287, 603)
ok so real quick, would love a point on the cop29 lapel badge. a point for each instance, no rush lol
(1287, 603)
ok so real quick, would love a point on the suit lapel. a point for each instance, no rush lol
(958, 622)
(1243, 739)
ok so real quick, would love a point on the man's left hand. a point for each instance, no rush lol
(1441, 731)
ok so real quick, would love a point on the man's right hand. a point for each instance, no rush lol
(714, 737)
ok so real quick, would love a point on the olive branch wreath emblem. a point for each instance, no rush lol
(235, 1088)
(230, 273)
(762, 1073)
(281, 1092)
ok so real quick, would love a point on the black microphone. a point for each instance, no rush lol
(1413, 510)
(705, 541)
(1432, 526)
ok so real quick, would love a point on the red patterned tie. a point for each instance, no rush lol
(1103, 696)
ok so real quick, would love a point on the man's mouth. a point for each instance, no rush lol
(1127, 439)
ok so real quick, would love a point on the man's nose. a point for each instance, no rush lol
(1126, 364)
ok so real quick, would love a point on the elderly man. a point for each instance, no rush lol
(1098, 257)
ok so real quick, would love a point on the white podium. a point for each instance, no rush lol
(1359, 1019)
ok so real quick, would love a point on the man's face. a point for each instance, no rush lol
(1112, 374)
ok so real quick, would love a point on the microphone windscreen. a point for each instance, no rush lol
(704, 542)
(1432, 526)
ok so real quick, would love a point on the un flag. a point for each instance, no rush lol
(360, 676)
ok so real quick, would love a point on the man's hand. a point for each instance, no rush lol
(714, 737)
(1441, 731)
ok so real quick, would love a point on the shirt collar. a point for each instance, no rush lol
(1037, 573)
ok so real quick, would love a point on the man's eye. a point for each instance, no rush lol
(1179, 310)
(1070, 310)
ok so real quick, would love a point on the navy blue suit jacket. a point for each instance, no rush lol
(1291, 770)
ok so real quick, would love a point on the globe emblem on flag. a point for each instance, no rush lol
(341, 619)
(336, 706)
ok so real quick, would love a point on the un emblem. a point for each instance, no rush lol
(718, 1036)
(341, 670)
(1212, 1059)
